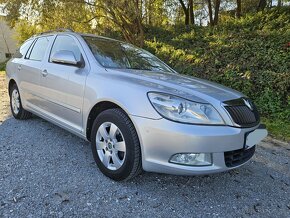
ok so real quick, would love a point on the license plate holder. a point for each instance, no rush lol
(255, 137)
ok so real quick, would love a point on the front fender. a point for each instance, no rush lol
(132, 98)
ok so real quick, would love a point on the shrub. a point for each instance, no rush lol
(249, 55)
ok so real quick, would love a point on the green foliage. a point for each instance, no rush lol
(249, 55)
(278, 128)
(3, 66)
(24, 30)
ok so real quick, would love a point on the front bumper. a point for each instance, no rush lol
(160, 139)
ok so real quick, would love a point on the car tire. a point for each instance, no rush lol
(127, 156)
(17, 110)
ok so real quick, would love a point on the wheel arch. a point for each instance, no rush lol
(10, 84)
(95, 111)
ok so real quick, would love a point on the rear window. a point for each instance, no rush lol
(39, 48)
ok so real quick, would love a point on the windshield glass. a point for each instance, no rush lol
(115, 54)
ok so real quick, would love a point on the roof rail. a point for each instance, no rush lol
(57, 30)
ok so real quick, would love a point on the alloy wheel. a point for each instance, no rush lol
(15, 101)
(110, 145)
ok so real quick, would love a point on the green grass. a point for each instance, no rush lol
(3, 66)
(278, 128)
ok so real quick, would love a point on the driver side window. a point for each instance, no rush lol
(65, 43)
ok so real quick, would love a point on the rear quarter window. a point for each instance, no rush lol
(20, 52)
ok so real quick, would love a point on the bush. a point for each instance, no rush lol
(249, 55)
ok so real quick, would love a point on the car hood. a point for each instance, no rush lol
(188, 87)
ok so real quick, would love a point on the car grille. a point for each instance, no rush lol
(238, 157)
(242, 114)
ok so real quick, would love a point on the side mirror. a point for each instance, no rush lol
(65, 57)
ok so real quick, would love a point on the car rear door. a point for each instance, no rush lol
(30, 70)
(16, 65)
(64, 84)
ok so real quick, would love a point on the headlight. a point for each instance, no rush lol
(182, 110)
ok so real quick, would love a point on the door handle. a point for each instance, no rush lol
(44, 73)
(19, 67)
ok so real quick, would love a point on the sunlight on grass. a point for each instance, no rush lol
(278, 128)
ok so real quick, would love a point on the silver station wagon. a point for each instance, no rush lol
(137, 112)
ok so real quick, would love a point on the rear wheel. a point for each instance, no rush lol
(15, 104)
(115, 145)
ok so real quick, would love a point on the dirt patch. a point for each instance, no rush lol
(4, 104)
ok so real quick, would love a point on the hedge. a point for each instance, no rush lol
(251, 55)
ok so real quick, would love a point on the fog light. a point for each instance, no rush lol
(192, 159)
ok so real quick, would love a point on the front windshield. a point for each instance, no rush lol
(115, 54)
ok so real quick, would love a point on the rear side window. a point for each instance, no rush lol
(23, 49)
(39, 48)
(65, 43)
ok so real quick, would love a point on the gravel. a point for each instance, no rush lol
(48, 172)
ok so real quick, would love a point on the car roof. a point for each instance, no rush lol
(70, 32)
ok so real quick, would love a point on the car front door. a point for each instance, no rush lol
(63, 84)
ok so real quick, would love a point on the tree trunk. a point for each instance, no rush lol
(140, 31)
(239, 8)
(262, 4)
(149, 9)
(190, 12)
(210, 12)
(216, 12)
(186, 19)
(186, 14)
(270, 3)
(279, 4)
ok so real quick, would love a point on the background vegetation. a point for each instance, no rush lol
(2, 66)
(244, 44)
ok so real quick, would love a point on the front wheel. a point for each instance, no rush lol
(115, 145)
(17, 110)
